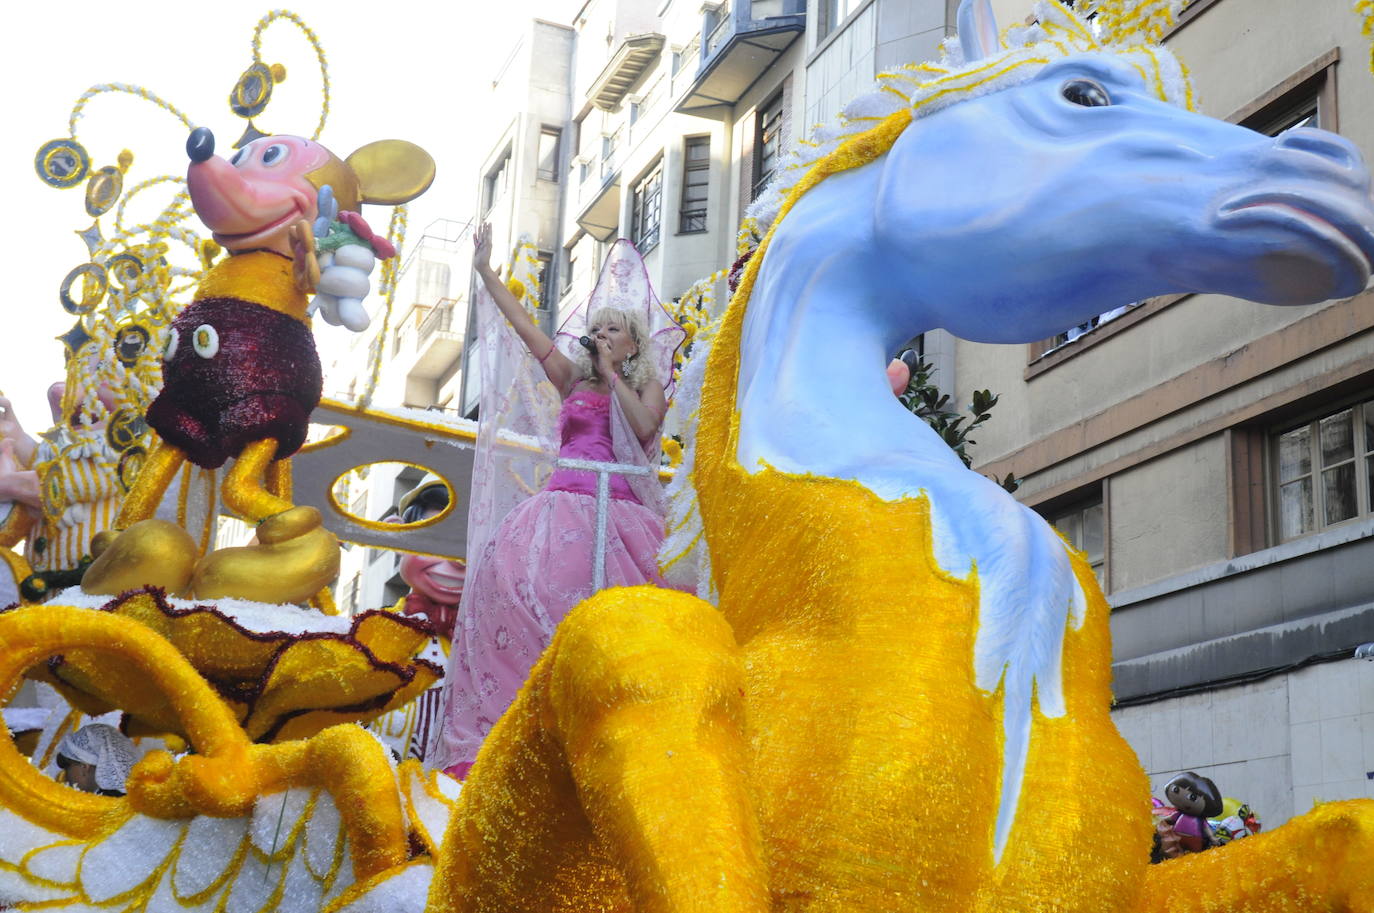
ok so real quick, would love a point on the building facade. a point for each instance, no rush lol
(521, 182)
(1215, 457)
(420, 360)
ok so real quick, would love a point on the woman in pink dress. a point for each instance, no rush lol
(536, 565)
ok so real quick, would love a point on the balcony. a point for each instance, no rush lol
(599, 197)
(741, 40)
(635, 55)
(437, 345)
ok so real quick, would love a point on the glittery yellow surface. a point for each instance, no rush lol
(263, 279)
(285, 686)
(819, 742)
(226, 776)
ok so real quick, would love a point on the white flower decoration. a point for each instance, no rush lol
(206, 341)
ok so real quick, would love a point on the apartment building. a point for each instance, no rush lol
(421, 358)
(522, 180)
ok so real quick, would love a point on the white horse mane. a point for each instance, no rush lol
(1127, 29)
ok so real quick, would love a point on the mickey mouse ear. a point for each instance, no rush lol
(392, 171)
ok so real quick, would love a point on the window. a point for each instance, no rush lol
(610, 145)
(1308, 103)
(1084, 527)
(549, 140)
(685, 64)
(833, 12)
(569, 270)
(647, 210)
(546, 297)
(349, 603)
(687, 58)
(644, 107)
(767, 142)
(696, 176)
(1324, 471)
(716, 24)
(496, 182)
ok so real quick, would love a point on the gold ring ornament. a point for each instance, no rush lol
(125, 270)
(125, 429)
(62, 163)
(130, 462)
(131, 341)
(95, 282)
(253, 91)
(103, 190)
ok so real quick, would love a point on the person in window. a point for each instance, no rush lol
(96, 759)
(532, 525)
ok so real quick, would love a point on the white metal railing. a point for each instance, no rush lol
(603, 471)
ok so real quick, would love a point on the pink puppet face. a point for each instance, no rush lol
(436, 578)
(249, 200)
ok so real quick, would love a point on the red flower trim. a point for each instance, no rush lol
(383, 248)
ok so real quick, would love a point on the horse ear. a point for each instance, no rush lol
(392, 171)
(977, 30)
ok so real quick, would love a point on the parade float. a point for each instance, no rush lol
(916, 719)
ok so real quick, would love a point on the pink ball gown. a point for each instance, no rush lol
(533, 571)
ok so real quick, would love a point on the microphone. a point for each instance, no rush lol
(587, 343)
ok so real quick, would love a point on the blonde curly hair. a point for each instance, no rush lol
(641, 371)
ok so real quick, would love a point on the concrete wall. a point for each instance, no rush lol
(1223, 644)
(875, 37)
(1279, 744)
(1165, 387)
(1168, 515)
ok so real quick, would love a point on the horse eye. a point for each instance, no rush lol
(1085, 92)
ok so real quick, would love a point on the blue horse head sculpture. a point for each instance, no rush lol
(1039, 178)
(1079, 191)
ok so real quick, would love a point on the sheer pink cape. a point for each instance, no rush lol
(517, 436)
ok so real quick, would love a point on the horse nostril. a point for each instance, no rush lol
(1321, 143)
(200, 145)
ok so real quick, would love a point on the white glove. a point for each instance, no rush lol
(343, 285)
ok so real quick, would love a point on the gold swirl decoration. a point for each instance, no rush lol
(227, 775)
(279, 684)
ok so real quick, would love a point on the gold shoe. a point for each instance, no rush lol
(149, 553)
(296, 558)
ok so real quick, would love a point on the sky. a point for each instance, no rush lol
(419, 70)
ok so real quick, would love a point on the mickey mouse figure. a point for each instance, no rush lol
(241, 374)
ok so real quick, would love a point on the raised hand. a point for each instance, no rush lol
(9, 425)
(481, 247)
(602, 358)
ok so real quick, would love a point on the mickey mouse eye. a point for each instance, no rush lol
(275, 154)
(237, 157)
(1085, 92)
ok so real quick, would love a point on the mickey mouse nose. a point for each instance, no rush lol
(200, 145)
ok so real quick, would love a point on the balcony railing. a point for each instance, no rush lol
(740, 40)
(724, 27)
(439, 318)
